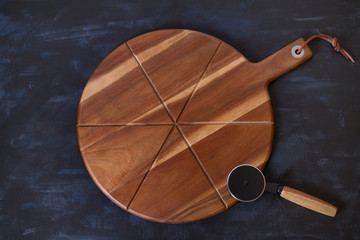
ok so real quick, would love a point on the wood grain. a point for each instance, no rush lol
(174, 60)
(176, 189)
(119, 93)
(117, 158)
(220, 148)
(308, 201)
(234, 87)
(167, 115)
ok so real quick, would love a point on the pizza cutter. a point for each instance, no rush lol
(246, 183)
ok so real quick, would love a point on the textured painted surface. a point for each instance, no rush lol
(48, 50)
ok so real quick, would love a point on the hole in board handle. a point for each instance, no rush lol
(294, 52)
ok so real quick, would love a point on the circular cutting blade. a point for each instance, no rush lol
(246, 183)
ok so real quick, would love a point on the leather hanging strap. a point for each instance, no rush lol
(334, 42)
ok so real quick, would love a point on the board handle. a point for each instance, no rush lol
(308, 201)
(282, 61)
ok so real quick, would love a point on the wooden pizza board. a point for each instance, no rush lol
(167, 115)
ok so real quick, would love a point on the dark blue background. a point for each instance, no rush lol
(48, 50)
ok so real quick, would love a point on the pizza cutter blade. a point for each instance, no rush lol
(247, 183)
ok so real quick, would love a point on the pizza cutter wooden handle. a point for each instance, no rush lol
(308, 201)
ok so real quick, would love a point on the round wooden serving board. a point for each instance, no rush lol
(167, 115)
